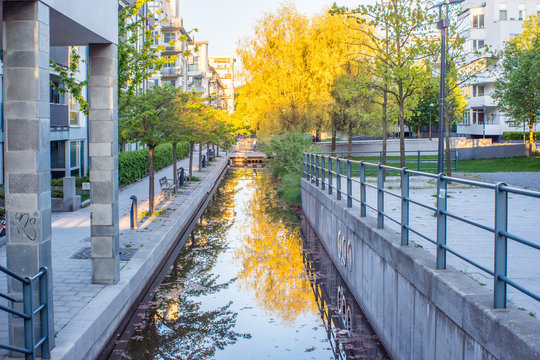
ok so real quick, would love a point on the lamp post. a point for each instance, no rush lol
(430, 109)
(442, 25)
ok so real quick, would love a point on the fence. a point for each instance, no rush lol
(28, 314)
(421, 160)
(321, 170)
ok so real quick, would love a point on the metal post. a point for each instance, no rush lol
(338, 178)
(380, 197)
(133, 214)
(456, 159)
(404, 207)
(312, 168)
(304, 165)
(418, 161)
(501, 246)
(362, 189)
(44, 314)
(28, 309)
(442, 24)
(441, 222)
(349, 184)
(323, 186)
(317, 170)
(330, 175)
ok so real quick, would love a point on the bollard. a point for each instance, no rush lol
(204, 161)
(133, 221)
(181, 176)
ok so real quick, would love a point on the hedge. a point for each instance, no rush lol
(514, 135)
(133, 165)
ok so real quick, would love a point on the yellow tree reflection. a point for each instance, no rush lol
(271, 256)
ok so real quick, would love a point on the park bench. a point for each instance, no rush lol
(167, 185)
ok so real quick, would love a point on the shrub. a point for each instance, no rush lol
(516, 135)
(285, 161)
(133, 165)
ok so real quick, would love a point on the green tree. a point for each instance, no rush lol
(144, 120)
(517, 87)
(426, 111)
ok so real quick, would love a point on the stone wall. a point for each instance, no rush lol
(417, 311)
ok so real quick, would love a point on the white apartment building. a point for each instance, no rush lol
(225, 69)
(489, 23)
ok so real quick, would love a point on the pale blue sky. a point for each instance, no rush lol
(224, 22)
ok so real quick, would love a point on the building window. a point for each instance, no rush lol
(73, 111)
(197, 82)
(478, 21)
(478, 90)
(477, 44)
(522, 12)
(56, 96)
(467, 117)
(478, 116)
(503, 12)
(76, 154)
(58, 156)
(168, 37)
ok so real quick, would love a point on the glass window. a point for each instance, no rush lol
(56, 97)
(478, 116)
(58, 155)
(478, 44)
(522, 12)
(478, 21)
(74, 154)
(503, 12)
(478, 90)
(168, 37)
(467, 117)
(73, 111)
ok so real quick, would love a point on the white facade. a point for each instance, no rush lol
(225, 68)
(489, 23)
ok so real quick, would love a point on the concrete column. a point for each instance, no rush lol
(67, 157)
(27, 153)
(103, 150)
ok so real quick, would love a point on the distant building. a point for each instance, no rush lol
(225, 68)
(489, 23)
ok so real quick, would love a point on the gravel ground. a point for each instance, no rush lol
(527, 180)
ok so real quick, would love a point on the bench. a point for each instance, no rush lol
(166, 185)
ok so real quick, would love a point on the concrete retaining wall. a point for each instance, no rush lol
(417, 311)
(494, 152)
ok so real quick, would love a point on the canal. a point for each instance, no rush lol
(251, 282)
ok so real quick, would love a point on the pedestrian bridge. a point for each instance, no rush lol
(434, 276)
(246, 155)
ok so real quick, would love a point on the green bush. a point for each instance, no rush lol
(516, 135)
(285, 160)
(134, 165)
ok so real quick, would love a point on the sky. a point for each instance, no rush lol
(224, 22)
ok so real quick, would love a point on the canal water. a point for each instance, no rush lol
(251, 282)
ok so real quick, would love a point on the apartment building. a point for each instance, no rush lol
(224, 66)
(489, 23)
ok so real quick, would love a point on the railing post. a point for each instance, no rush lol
(380, 197)
(317, 170)
(349, 183)
(418, 161)
(362, 189)
(323, 176)
(404, 207)
(330, 175)
(441, 222)
(44, 314)
(311, 169)
(456, 160)
(304, 166)
(28, 309)
(501, 246)
(338, 178)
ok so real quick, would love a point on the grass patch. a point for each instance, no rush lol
(515, 164)
(193, 178)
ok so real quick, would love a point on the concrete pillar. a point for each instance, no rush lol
(103, 150)
(27, 153)
(67, 157)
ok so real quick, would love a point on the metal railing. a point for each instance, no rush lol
(321, 170)
(29, 313)
(421, 160)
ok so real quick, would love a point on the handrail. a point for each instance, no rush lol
(331, 166)
(29, 312)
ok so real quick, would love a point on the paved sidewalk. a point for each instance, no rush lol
(476, 204)
(72, 286)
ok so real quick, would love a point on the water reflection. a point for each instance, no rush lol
(248, 285)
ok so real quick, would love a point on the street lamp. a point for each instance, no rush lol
(442, 25)
(430, 109)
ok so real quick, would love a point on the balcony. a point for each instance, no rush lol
(173, 50)
(171, 72)
(479, 129)
(59, 116)
(175, 24)
(481, 102)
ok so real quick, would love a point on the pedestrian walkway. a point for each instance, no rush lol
(73, 290)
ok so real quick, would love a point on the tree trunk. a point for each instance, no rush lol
(200, 156)
(384, 126)
(151, 180)
(349, 142)
(174, 164)
(217, 150)
(532, 137)
(191, 147)
(402, 135)
(317, 135)
(333, 148)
